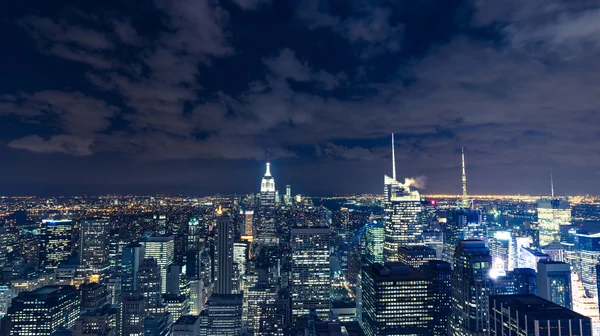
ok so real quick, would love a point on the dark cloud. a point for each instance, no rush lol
(514, 84)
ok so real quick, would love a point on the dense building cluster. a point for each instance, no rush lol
(280, 264)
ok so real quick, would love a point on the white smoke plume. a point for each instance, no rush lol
(418, 182)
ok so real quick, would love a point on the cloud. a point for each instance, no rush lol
(66, 144)
(250, 4)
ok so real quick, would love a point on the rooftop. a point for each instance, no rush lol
(394, 271)
(188, 319)
(536, 307)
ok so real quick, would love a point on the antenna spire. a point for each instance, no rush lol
(393, 159)
(551, 183)
(465, 200)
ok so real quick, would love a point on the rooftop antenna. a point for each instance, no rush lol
(393, 159)
(551, 183)
(465, 200)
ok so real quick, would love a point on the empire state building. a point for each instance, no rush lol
(266, 223)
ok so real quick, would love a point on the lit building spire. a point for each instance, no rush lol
(268, 172)
(551, 183)
(393, 159)
(465, 200)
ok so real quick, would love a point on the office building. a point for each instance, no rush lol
(530, 315)
(349, 328)
(177, 305)
(93, 249)
(525, 280)
(5, 299)
(529, 258)
(188, 325)
(554, 282)
(272, 320)
(56, 242)
(555, 250)
(396, 300)
(461, 224)
(196, 296)
(502, 251)
(131, 259)
(470, 288)
(158, 324)
(131, 314)
(224, 254)
(162, 249)
(257, 297)
(223, 315)
(552, 214)
(310, 287)
(416, 255)
(440, 273)
(149, 283)
(94, 296)
(585, 304)
(374, 236)
(266, 230)
(43, 311)
(100, 322)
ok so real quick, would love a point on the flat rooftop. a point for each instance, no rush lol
(536, 307)
(394, 271)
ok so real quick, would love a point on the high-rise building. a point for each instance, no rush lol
(529, 258)
(585, 304)
(43, 311)
(554, 282)
(310, 286)
(530, 315)
(248, 225)
(93, 244)
(196, 296)
(396, 300)
(288, 195)
(223, 315)
(552, 214)
(470, 288)
(131, 314)
(525, 280)
(461, 224)
(5, 299)
(188, 325)
(502, 250)
(149, 283)
(162, 249)
(56, 243)
(402, 227)
(97, 323)
(158, 324)
(440, 272)
(94, 296)
(131, 259)
(415, 255)
(177, 305)
(258, 296)
(266, 230)
(224, 254)
(374, 235)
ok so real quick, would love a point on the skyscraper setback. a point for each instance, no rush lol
(267, 227)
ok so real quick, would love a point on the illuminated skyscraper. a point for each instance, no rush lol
(162, 249)
(224, 254)
(415, 256)
(374, 235)
(530, 315)
(150, 284)
(131, 259)
(57, 242)
(462, 224)
(554, 282)
(131, 314)
(223, 315)
(440, 272)
(470, 288)
(310, 288)
(402, 208)
(93, 244)
(552, 214)
(266, 231)
(396, 300)
(43, 311)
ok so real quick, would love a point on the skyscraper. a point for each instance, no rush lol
(530, 315)
(93, 244)
(44, 310)
(131, 314)
(162, 249)
(396, 300)
(131, 259)
(223, 315)
(56, 243)
(416, 255)
(266, 231)
(149, 282)
(470, 288)
(554, 282)
(224, 253)
(552, 214)
(310, 288)
(374, 235)
(440, 273)
(461, 224)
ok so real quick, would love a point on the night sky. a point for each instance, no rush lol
(185, 96)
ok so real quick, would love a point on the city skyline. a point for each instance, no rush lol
(187, 96)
